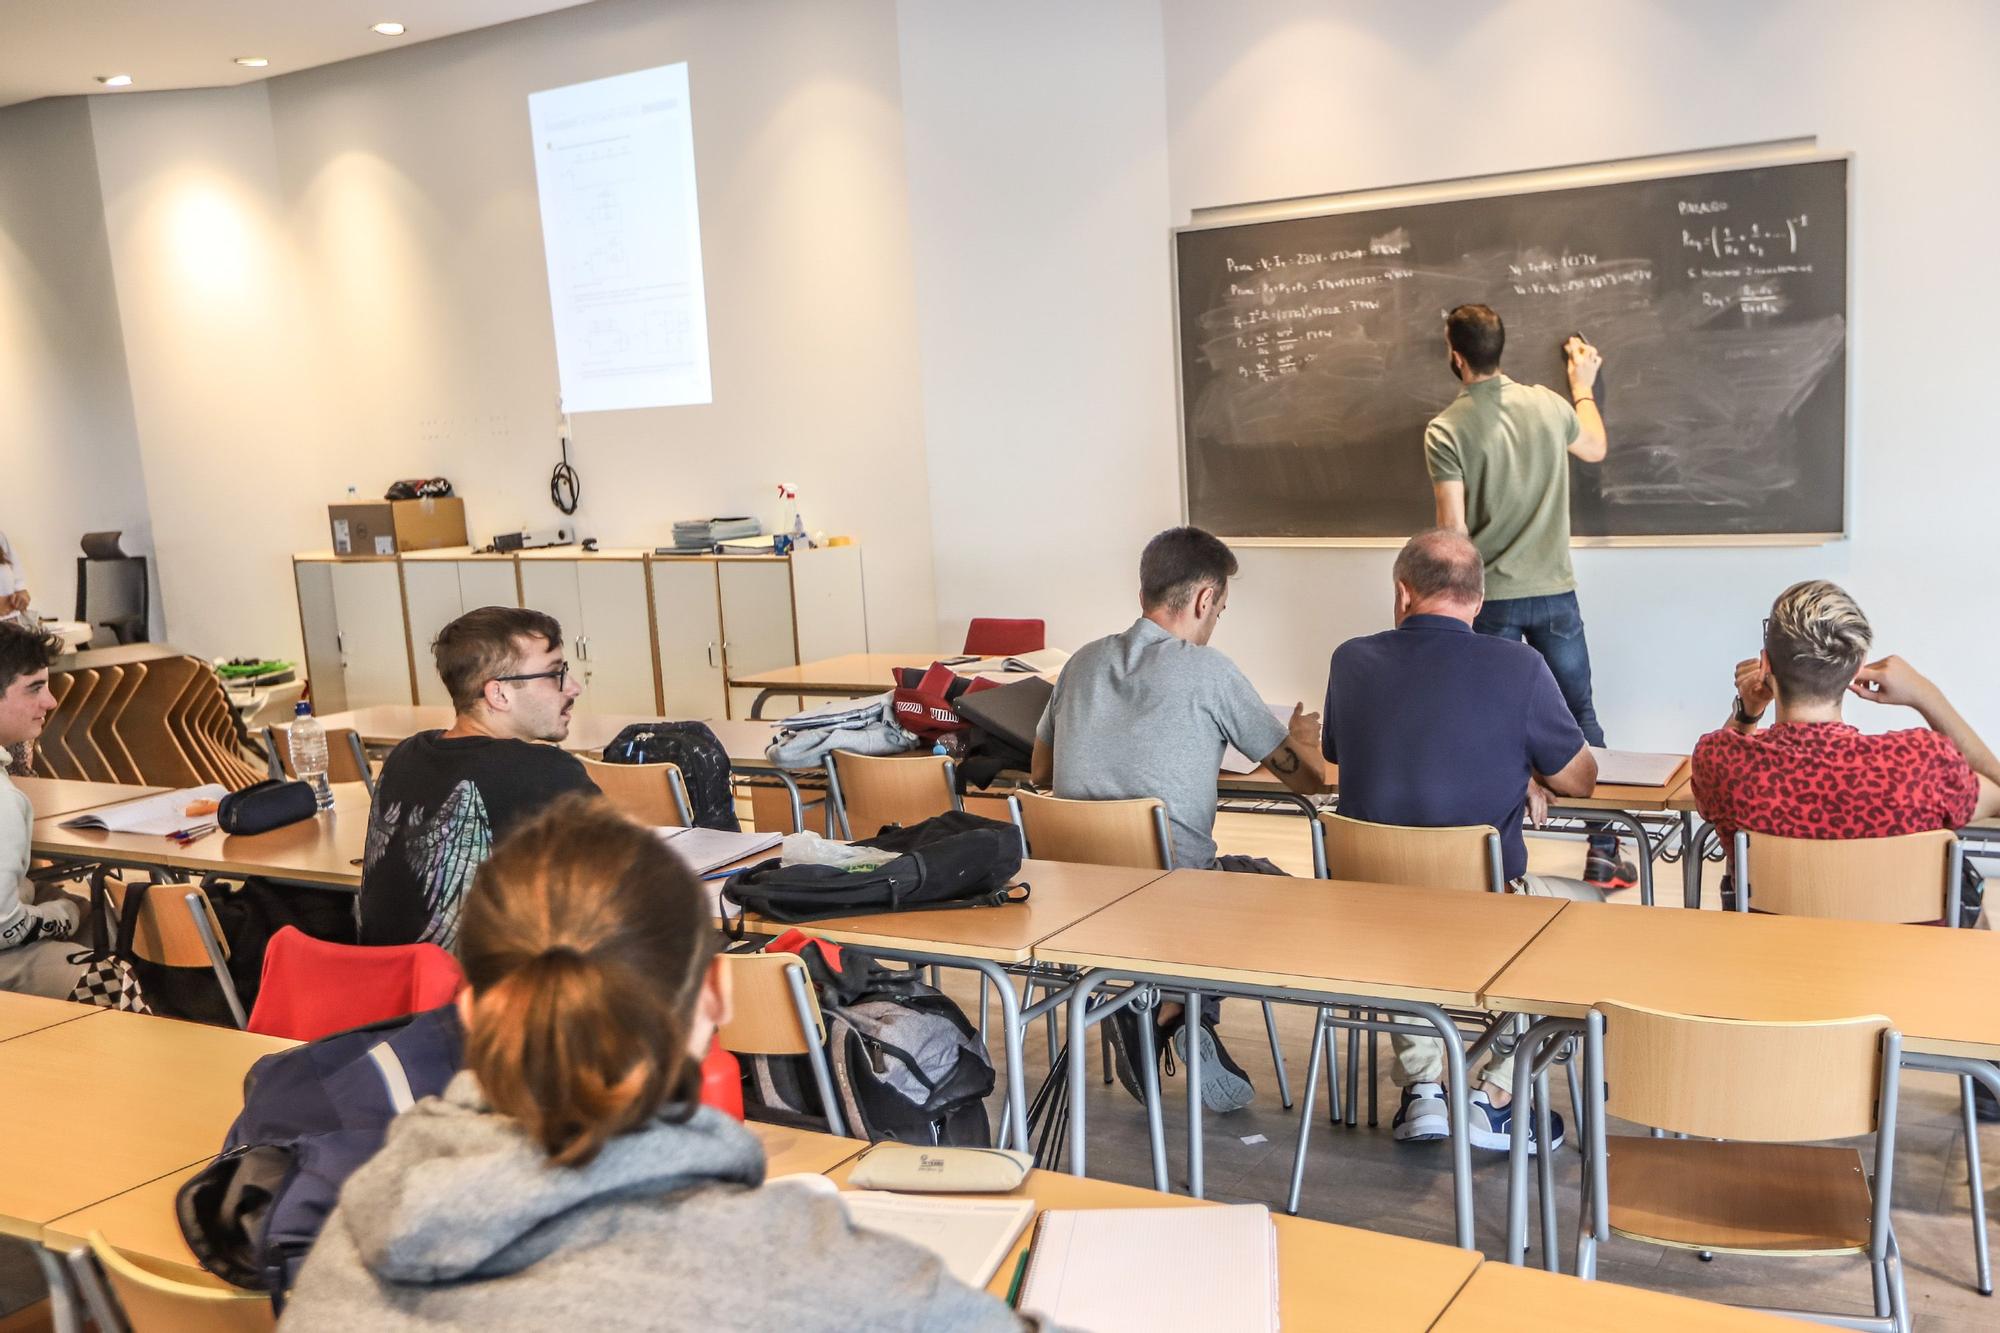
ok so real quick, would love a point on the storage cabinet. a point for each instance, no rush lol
(356, 634)
(654, 636)
(438, 588)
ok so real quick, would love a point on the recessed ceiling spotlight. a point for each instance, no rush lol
(252, 62)
(115, 80)
(388, 29)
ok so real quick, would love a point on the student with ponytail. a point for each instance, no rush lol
(569, 1177)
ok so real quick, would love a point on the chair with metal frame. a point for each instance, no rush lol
(120, 1295)
(1114, 833)
(989, 637)
(185, 936)
(652, 794)
(871, 792)
(346, 758)
(1892, 880)
(1758, 1176)
(1456, 857)
(775, 1011)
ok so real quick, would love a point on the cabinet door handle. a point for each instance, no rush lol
(340, 646)
(711, 657)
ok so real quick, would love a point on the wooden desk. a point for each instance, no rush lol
(1504, 1299)
(22, 1014)
(790, 1152)
(1326, 1273)
(324, 852)
(1391, 941)
(69, 796)
(1933, 984)
(858, 674)
(154, 1096)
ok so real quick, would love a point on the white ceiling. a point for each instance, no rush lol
(54, 48)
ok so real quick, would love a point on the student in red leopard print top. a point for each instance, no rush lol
(1811, 775)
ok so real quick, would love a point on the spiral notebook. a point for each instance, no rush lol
(1085, 1270)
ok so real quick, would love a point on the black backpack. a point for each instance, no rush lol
(906, 1064)
(704, 765)
(952, 860)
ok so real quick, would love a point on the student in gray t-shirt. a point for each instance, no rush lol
(1147, 713)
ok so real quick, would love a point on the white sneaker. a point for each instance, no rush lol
(1423, 1116)
(1491, 1127)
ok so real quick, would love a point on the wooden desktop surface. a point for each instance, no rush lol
(802, 1151)
(853, 671)
(22, 1014)
(151, 1095)
(1359, 1279)
(1060, 895)
(325, 850)
(1390, 940)
(1503, 1299)
(1934, 984)
(68, 796)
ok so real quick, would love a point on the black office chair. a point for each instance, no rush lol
(112, 588)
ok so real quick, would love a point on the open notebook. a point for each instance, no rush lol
(163, 814)
(1631, 768)
(971, 1235)
(1082, 1271)
(706, 849)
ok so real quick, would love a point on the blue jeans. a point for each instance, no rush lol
(1553, 627)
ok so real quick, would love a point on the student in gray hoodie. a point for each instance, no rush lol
(568, 1177)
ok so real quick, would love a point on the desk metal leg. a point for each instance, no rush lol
(1191, 1016)
(1690, 861)
(1984, 1072)
(1517, 1143)
(757, 705)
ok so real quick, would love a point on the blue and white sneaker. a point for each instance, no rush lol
(1423, 1117)
(1491, 1127)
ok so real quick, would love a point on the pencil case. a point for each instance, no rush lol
(266, 805)
(918, 1170)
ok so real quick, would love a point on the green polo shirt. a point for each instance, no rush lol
(1509, 443)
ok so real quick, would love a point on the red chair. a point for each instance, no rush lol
(311, 988)
(1004, 638)
(722, 1082)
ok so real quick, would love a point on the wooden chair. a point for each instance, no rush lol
(104, 732)
(177, 927)
(143, 727)
(653, 794)
(48, 763)
(775, 1011)
(63, 759)
(1459, 857)
(1773, 1094)
(95, 687)
(871, 792)
(346, 760)
(1114, 833)
(121, 1295)
(1910, 879)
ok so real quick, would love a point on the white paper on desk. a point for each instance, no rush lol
(162, 814)
(1631, 768)
(706, 849)
(1043, 661)
(972, 1236)
(1080, 1273)
(1235, 761)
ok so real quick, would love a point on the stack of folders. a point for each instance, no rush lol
(700, 534)
(1081, 1270)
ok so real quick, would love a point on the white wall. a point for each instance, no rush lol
(1288, 98)
(67, 443)
(1038, 198)
(360, 247)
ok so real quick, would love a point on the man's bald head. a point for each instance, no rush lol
(1439, 567)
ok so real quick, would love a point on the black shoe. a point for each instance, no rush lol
(1225, 1086)
(1127, 1055)
(1985, 1108)
(1609, 872)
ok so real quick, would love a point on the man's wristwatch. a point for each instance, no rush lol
(1742, 718)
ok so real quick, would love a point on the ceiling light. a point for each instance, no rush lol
(252, 62)
(388, 29)
(115, 80)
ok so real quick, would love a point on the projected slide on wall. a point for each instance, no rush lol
(614, 163)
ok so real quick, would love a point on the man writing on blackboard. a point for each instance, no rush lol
(1499, 462)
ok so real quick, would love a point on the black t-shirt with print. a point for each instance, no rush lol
(440, 806)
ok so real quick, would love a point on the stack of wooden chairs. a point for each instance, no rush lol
(163, 722)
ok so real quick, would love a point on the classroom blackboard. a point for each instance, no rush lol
(1312, 353)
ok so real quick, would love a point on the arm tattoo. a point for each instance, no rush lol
(1284, 760)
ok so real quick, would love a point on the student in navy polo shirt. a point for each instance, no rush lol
(1435, 726)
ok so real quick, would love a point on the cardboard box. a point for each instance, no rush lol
(386, 527)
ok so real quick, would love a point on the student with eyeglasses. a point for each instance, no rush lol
(446, 797)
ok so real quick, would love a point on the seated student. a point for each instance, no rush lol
(445, 797)
(1810, 774)
(1435, 726)
(34, 955)
(1148, 713)
(567, 1178)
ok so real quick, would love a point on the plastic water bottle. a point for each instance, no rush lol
(309, 754)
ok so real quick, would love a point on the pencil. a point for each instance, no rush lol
(1014, 1287)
